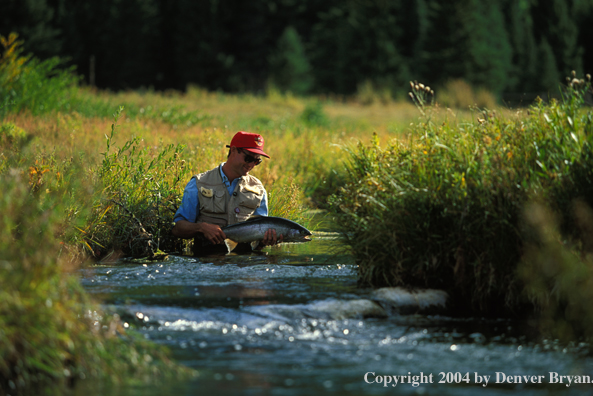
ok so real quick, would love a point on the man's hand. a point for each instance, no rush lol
(213, 233)
(186, 229)
(270, 239)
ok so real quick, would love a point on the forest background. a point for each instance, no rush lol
(516, 49)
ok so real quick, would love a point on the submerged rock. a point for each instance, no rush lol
(346, 309)
(331, 309)
(406, 301)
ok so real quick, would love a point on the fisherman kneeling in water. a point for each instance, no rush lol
(225, 195)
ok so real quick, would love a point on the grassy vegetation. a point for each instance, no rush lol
(91, 174)
(444, 207)
(441, 205)
(51, 333)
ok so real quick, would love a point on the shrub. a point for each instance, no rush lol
(559, 275)
(51, 333)
(367, 94)
(141, 191)
(459, 94)
(27, 83)
(12, 136)
(443, 210)
(313, 114)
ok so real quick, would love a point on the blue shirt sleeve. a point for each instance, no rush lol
(263, 207)
(189, 208)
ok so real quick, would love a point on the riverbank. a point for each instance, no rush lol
(495, 211)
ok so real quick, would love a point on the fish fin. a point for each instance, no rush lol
(231, 245)
(254, 245)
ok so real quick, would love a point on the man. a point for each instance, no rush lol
(225, 195)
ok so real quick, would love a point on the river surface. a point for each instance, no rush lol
(263, 325)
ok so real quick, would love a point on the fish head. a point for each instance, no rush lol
(297, 235)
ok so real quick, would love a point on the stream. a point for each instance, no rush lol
(266, 324)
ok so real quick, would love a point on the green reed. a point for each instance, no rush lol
(444, 208)
(51, 333)
(140, 191)
(28, 83)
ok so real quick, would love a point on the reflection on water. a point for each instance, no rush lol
(269, 324)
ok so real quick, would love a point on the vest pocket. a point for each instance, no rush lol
(213, 204)
(250, 200)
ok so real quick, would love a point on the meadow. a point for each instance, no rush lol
(486, 203)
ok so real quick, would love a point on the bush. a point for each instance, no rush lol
(444, 209)
(11, 136)
(51, 333)
(558, 275)
(141, 191)
(313, 115)
(27, 83)
(459, 94)
(367, 93)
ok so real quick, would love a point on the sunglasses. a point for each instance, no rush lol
(250, 158)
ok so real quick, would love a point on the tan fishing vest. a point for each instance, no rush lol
(217, 207)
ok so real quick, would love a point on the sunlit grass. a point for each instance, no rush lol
(443, 207)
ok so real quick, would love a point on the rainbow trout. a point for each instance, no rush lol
(253, 230)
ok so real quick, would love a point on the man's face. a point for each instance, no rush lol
(238, 162)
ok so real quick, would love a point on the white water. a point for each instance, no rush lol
(267, 325)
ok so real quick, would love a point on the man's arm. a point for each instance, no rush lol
(187, 229)
(187, 214)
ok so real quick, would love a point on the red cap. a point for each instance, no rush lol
(251, 142)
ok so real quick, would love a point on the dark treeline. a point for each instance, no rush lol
(310, 46)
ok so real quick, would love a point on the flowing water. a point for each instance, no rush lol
(267, 324)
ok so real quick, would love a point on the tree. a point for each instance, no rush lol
(522, 75)
(33, 21)
(290, 68)
(354, 41)
(549, 78)
(490, 54)
(555, 21)
(445, 51)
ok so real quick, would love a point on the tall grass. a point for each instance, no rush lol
(461, 95)
(51, 333)
(27, 83)
(140, 192)
(443, 209)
